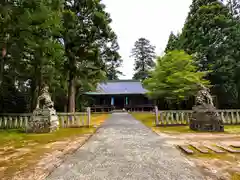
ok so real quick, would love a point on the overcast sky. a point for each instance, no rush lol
(152, 19)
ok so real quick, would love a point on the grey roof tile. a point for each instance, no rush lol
(119, 87)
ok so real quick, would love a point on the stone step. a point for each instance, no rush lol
(214, 149)
(185, 149)
(235, 145)
(227, 148)
(200, 148)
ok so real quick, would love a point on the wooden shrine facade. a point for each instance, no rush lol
(131, 102)
(118, 95)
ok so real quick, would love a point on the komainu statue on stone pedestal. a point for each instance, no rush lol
(203, 96)
(44, 118)
(45, 102)
(205, 116)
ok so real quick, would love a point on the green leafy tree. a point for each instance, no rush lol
(144, 55)
(174, 78)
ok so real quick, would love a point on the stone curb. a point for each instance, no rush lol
(73, 150)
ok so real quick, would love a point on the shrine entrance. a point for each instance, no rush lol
(119, 102)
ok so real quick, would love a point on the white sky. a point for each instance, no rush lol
(152, 19)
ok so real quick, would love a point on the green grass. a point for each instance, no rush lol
(146, 118)
(213, 155)
(236, 176)
(232, 129)
(18, 138)
(149, 120)
(12, 140)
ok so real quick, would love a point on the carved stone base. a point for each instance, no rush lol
(43, 121)
(206, 119)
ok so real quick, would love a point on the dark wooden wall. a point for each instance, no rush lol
(137, 102)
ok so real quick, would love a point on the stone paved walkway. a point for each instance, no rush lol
(124, 149)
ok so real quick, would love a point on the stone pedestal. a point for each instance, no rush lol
(206, 119)
(43, 121)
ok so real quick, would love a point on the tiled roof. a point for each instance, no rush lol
(119, 87)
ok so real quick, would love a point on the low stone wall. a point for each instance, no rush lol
(182, 117)
(66, 120)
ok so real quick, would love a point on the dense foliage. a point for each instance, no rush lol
(175, 77)
(144, 55)
(211, 35)
(67, 44)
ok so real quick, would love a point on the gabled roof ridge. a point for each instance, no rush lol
(121, 80)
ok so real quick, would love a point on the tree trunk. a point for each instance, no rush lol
(36, 88)
(65, 103)
(238, 98)
(1, 69)
(4, 52)
(71, 93)
(65, 107)
(34, 94)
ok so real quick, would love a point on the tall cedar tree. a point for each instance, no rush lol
(144, 55)
(86, 29)
(5, 24)
(234, 46)
(234, 6)
(32, 49)
(113, 71)
(37, 34)
(209, 33)
(173, 43)
(113, 61)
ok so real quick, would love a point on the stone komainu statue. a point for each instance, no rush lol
(203, 96)
(44, 118)
(44, 101)
(205, 116)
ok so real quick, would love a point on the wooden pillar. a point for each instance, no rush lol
(112, 101)
(88, 116)
(156, 115)
(126, 100)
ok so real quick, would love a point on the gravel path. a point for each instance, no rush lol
(124, 149)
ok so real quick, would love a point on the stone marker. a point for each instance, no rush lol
(205, 117)
(44, 118)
